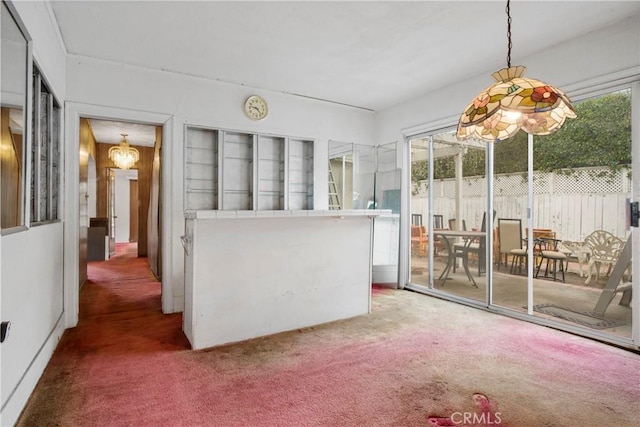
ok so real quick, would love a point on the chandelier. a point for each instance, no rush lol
(123, 155)
(513, 103)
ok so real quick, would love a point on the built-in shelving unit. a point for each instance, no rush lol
(270, 172)
(300, 174)
(237, 171)
(201, 173)
(234, 171)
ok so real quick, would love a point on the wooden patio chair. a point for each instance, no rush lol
(419, 240)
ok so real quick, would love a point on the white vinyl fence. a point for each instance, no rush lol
(572, 204)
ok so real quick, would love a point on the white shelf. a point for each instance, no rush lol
(229, 170)
(201, 169)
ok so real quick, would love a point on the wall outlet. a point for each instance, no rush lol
(4, 331)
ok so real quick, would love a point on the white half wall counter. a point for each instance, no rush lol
(255, 273)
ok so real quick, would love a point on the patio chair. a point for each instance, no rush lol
(510, 243)
(419, 240)
(616, 282)
(548, 250)
(458, 244)
(603, 248)
(538, 233)
(453, 224)
(577, 252)
(438, 222)
(477, 247)
(420, 237)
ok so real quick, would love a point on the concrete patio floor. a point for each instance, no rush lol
(510, 291)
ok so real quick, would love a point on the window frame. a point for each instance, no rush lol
(26, 131)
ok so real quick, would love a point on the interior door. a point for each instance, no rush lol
(133, 210)
(111, 209)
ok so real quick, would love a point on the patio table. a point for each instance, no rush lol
(451, 259)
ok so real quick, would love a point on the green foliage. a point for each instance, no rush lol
(600, 136)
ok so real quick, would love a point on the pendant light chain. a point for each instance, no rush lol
(508, 34)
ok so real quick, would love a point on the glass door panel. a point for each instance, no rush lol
(580, 215)
(386, 242)
(419, 262)
(511, 203)
(448, 207)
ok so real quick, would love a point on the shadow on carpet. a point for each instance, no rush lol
(585, 318)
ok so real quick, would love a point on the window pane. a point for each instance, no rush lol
(13, 76)
(55, 161)
(43, 141)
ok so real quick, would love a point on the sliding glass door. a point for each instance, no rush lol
(560, 240)
(582, 188)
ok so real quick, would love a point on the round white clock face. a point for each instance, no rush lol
(255, 107)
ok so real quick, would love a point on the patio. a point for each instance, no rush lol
(510, 291)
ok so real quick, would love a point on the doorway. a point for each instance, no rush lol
(121, 206)
(75, 127)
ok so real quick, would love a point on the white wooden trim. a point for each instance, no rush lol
(71, 214)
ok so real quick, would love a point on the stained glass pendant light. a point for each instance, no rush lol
(512, 103)
(123, 155)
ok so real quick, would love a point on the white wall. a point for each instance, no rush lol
(32, 300)
(32, 272)
(48, 49)
(192, 100)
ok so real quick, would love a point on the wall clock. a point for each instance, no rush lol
(256, 108)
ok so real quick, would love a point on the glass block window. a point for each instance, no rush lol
(45, 153)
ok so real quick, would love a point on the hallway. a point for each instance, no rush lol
(121, 340)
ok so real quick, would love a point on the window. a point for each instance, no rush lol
(14, 59)
(45, 153)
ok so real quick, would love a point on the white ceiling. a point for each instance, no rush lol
(109, 132)
(367, 54)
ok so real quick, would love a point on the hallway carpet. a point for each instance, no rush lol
(414, 361)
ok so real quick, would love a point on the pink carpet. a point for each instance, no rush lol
(415, 361)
